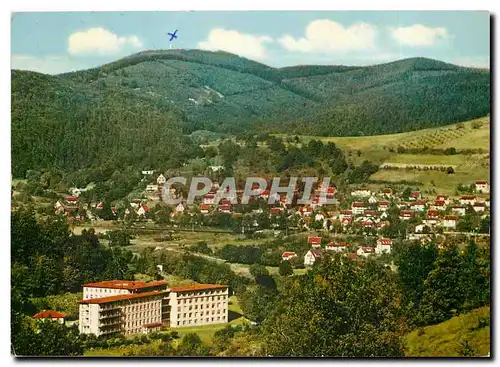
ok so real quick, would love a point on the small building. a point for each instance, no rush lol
(439, 205)
(406, 214)
(314, 242)
(50, 315)
(311, 257)
(336, 247)
(363, 192)
(365, 251)
(384, 245)
(358, 208)
(387, 193)
(372, 200)
(444, 198)
(467, 200)
(418, 206)
(147, 172)
(450, 221)
(460, 210)
(479, 207)
(345, 214)
(384, 205)
(482, 187)
(415, 195)
(288, 255)
(151, 189)
(161, 180)
(204, 208)
(142, 210)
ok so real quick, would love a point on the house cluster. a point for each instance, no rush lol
(317, 250)
(130, 307)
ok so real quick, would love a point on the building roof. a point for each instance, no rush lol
(49, 314)
(481, 182)
(337, 244)
(316, 253)
(450, 217)
(126, 284)
(314, 240)
(385, 241)
(122, 297)
(288, 253)
(358, 204)
(197, 287)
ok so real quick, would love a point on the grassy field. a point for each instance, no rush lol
(447, 339)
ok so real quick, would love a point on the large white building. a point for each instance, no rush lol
(130, 307)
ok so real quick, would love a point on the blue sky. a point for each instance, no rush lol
(60, 42)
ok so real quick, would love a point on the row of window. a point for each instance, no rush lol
(132, 324)
(201, 321)
(140, 315)
(194, 294)
(202, 299)
(201, 313)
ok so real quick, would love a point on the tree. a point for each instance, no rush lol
(285, 268)
(192, 345)
(443, 293)
(450, 170)
(339, 308)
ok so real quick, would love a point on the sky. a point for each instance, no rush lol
(53, 43)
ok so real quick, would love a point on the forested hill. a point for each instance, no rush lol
(141, 105)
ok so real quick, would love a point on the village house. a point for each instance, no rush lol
(415, 195)
(362, 192)
(406, 214)
(372, 200)
(314, 242)
(50, 315)
(279, 210)
(151, 189)
(383, 215)
(225, 208)
(450, 221)
(208, 198)
(460, 210)
(358, 208)
(346, 222)
(418, 206)
(384, 245)
(148, 173)
(288, 255)
(204, 208)
(479, 207)
(179, 209)
(345, 214)
(432, 218)
(444, 198)
(336, 247)
(382, 224)
(71, 200)
(142, 210)
(370, 213)
(419, 228)
(384, 205)
(365, 251)
(439, 205)
(482, 187)
(311, 257)
(387, 193)
(467, 200)
(161, 180)
(306, 210)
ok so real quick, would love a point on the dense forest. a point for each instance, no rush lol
(145, 110)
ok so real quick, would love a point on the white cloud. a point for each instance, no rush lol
(419, 35)
(242, 44)
(52, 64)
(100, 41)
(323, 35)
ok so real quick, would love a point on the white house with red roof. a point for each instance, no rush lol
(311, 257)
(450, 221)
(358, 208)
(479, 207)
(418, 206)
(444, 198)
(460, 210)
(384, 245)
(50, 315)
(71, 200)
(467, 200)
(439, 205)
(225, 208)
(362, 192)
(161, 180)
(406, 214)
(383, 206)
(387, 193)
(372, 200)
(208, 199)
(288, 255)
(306, 210)
(336, 247)
(415, 195)
(345, 214)
(204, 208)
(142, 210)
(482, 187)
(365, 251)
(314, 242)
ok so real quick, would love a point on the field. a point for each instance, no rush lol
(447, 339)
(382, 149)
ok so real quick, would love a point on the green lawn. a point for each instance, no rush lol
(447, 338)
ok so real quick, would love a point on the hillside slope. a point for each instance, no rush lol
(137, 109)
(448, 339)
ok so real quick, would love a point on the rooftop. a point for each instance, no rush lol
(197, 287)
(49, 314)
(121, 297)
(126, 284)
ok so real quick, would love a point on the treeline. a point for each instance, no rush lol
(437, 151)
